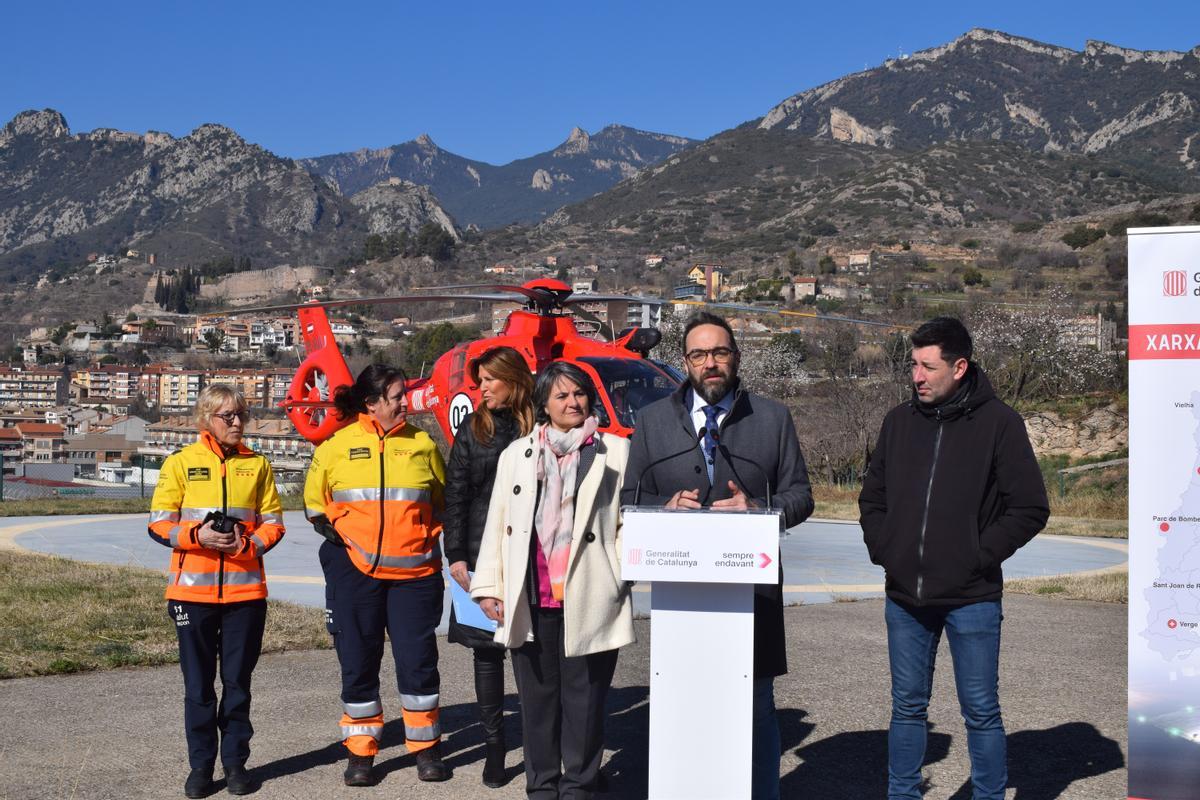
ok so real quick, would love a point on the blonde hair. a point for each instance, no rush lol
(213, 397)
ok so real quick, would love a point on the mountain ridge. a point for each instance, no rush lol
(523, 190)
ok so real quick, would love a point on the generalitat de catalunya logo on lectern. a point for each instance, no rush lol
(635, 555)
(1174, 283)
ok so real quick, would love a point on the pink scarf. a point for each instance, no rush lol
(558, 461)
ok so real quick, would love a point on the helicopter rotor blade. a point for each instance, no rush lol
(532, 294)
(786, 313)
(369, 301)
(575, 299)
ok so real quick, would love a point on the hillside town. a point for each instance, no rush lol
(100, 404)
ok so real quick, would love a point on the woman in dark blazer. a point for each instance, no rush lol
(505, 413)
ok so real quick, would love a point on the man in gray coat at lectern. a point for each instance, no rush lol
(712, 444)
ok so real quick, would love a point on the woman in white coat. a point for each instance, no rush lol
(549, 573)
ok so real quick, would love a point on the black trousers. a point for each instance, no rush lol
(208, 633)
(562, 711)
(358, 610)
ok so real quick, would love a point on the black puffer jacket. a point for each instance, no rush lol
(470, 473)
(951, 493)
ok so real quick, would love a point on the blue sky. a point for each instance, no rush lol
(493, 81)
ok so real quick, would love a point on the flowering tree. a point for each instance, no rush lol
(1030, 353)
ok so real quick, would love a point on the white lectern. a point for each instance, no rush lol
(703, 566)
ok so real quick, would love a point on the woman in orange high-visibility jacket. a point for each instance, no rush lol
(374, 491)
(216, 505)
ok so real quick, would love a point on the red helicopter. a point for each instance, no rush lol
(543, 331)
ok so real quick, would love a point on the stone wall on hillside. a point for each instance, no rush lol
(240, 288)
(1101, 431)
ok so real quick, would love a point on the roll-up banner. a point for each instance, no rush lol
(1164, 513)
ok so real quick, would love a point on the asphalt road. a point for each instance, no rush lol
(119, 735)
(822, 560)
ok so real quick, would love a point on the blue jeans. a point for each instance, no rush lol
(974, 634)
(765, 743)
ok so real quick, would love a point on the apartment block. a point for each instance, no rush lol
(33, 387)
(179, 389)
(42, 442)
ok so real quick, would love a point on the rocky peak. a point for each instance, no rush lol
(155, 139)
(45, 124)
(982, 35)
(426, 143)
(1096, 49)
(211, 130)
(577, 142)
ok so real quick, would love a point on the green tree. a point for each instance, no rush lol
(1082, 236)
(213, 340)
(424, 347)
(375, 247)
(822, 227)
(435, 242)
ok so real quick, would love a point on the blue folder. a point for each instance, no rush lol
(467, 611)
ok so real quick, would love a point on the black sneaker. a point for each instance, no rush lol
(199, 782)
(238, 780)
(358, 771)
(430, 766)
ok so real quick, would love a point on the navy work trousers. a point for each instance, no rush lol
(208, 633)
(360, 608)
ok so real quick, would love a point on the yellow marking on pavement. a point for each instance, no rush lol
(9, 534)
(1121, 546)
(306, 579)
(1106, 544)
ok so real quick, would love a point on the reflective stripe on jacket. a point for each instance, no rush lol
(195, 481)
(382, 491)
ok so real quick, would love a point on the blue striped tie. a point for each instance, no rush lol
(710, 438)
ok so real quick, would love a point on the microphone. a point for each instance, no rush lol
(637, 491)
(729, 457)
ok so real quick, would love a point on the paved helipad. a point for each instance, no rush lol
(823, 560)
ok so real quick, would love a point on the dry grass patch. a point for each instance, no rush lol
(57, 506)
(1108, 587)
(1075, 526)
(835, 502)
(1101, 516)
(61, 506)
(60, 616)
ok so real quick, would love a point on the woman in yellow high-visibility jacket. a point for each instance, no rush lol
(375, 492)
(216, 505)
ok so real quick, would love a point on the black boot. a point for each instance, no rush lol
(493, 767)
(489, 691)
(199, 782)
(238, 780)
(358, 770)
(430, 766)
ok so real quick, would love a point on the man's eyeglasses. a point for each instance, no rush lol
(697, 358)
(229, 417)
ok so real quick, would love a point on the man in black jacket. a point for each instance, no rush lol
(953, 489)
(732, 450)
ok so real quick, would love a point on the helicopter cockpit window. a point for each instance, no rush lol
(630, 384)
